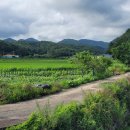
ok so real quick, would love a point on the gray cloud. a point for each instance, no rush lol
(11, 23)
(57, 19)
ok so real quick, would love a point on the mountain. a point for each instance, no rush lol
(69, 41)
(94, 43)
(46, 49)
(9, 40)
(121, 39)
(29, 40)
(87, 42)
(65, 48)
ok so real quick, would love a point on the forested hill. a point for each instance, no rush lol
(120, 47)
(86, 42)
(34, 48)
(120, 40)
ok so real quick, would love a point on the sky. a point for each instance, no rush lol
(55, 20)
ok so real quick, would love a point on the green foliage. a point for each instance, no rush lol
(107, 110)
(34, 63)
(15, 93)
(66, 116)
(20, 76)
(122, 52)
(11, 94)
(45, 49)
(90, 62)
(33, 123)
(120, 48)
(118, 67)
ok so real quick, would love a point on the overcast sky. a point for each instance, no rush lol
(59, 19)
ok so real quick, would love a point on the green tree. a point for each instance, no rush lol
(88, 61)
(122, 52)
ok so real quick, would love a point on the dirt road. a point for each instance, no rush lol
(12, 114)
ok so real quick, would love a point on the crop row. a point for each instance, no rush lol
(39, 75)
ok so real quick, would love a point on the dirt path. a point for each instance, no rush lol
(12, 114)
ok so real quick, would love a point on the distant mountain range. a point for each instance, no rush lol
(86, 42)
(29, 40)
(46, 49)
(64, 48)
(9, 40)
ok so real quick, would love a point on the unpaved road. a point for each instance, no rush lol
(12, 114)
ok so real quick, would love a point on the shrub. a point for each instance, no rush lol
(68, 117)
(33, 123)
(117, 67)
(56, 87)
(106, 111)
(121, 91)
(11, 93)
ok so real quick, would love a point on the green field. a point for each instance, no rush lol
(35, 71)
(18, 78)
(34, 63)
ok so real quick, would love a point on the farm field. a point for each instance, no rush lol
(36, 70)
(20, 78)
(35, 63)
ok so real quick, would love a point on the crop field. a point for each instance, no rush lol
(34, 63)
(19, 78)
(35, 71)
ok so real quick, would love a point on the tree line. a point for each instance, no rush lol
(45, 49)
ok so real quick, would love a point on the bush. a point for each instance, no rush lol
(117, 68)
(68, 117)
(106, 111)
(56, 87)
(33, 123)
(11, 94)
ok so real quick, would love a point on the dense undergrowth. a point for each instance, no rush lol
(106, 110)
(11, 93)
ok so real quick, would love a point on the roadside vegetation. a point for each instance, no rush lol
(19, 77)
(106, 110)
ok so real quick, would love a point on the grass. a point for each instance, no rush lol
(107, 110)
